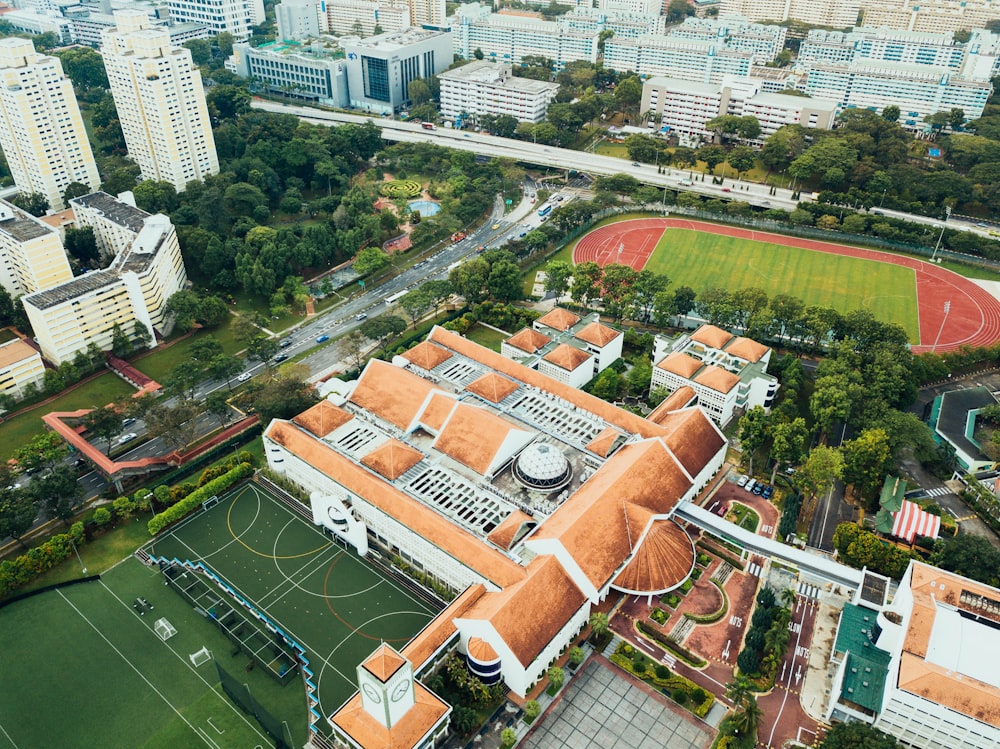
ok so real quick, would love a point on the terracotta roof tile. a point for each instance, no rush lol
(747, 349)
(505, 533)
(709, 335)
(692, 437)
(492, 387)
(383, 663)
(604, 443)
(566, 357)
(15, 351)
(480, 650)
(662, 562)
(597, 334)
(408, 732)
(966, 695)
(680, 364)
(528, 340)
(478, 438)
(438, 408)
(717, 378)
(422, 520)
(559, 319)
(426, 355)
(391, 393)
(392, 459)
(529, 614)
(322, 418)
(441, 628)
(680, 398)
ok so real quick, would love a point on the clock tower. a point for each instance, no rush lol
(385, 680)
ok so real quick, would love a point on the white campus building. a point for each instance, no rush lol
(685, 106)
(483, 87)
(929, 15)
(132, 291)
(20, 366)
(32, 257)
(41, 130)
(528, 497)
(722, 373)
(693, 60)
(836, 14)
(306, 71)
(921, 667)
(160, 101)
(297, 19)
(764, 41)
(236, 17)
(364, 17)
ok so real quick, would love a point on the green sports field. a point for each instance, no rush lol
(702, 260)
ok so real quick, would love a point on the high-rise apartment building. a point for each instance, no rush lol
(31, 254)
(160, 101)
(237, 17)
(428, 14)
(41, 131)
(837, 14)
(297, 19)
(364, 17)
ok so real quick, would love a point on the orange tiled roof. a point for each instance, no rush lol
(492, 387)
(662, 562)
(15, 351)
(481, 651)
(438, 408)
(717, 378)
(680, 364)
(566, 357)
(473, 436)
(692, 437)
(747, 349)
(603, 443)
(391, 393)
(559, 319)
(528, 615)
(422, 520)
(597, 334)
(592, 524)
(710, 335)
(678, 399)
(383, 663)
(426, 355)
(392, 459)
(408, 732)
(528, 340)
(505, 533)
(322, 418)
(441, 628)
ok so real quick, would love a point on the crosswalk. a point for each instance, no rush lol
(938, 492)
(808, 591)
(754, 569)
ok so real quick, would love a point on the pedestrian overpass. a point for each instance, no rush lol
(806, 562)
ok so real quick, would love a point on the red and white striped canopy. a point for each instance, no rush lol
(912, 521)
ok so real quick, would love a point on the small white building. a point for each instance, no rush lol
(20, 366)
(483, 87)
(724, 373)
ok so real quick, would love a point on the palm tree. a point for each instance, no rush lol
(745, 721)
(599, 624)
(739, 691)
(788, 597)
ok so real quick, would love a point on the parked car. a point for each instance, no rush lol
(748, 487)
(323, 338)
(126, 438)
(768, 492)
(742, 481)
(758, 488)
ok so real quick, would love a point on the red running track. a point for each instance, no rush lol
(973, 320)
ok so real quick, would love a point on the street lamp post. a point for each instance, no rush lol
(947, 215)
(77, 552)
(947, 309)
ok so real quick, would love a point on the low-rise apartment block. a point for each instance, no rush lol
(764, 41)
(20, 366)
(700, 61)
(724, 374)
(32, 257)
(483, 87)
(837, 14)
(306, 71)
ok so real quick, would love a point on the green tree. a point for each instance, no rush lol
(34, 203)
(788, 440)
(84, 66)
(507, 738)
(416, 304)
(970, 556)
(183, 305)
(224, 367)
(176, 425)
(599, 624)
(82, 244)
(742, 159)
(369, 260)
(104, 423)
(532, 710)
(712, 156)
(17, 511)
(558, 274)
(753, 433)
(121, 344)
(184, 378)
(816, 475)
(58, 491)
(746, 720)
(382, 329)
(418, 91)
(856, 735)
(608, 385)
(587, 281)
(504, 280)
(217, 405)
(867, 460)
(201, 50)
(628, 93)
(890, 113)
(556, 677)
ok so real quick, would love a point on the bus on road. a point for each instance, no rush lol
(545, 210)
(428, 125)
(393, 298)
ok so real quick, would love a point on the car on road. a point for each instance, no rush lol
(126, 438)
(285, 342)
(244, 377)
(360, 316)
(727, 189)
(128, 421)
(742, 481)
(323, 338)
(686, 183)
(636, 163)
(281, 357)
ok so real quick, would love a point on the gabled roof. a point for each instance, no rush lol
(426, 355)
(383, 663)
(663, 560)
(509, 529)
(680, 398)
(492, 387)
(547, 593)
(597, 334)
(322, 418)
(717, 379)
(441, 628)
(391, 393)
(710, 335)
(680, 364)
(437, 410)
(559, 319)
(692, 437)
(479, 439)
(566, 357)
(605, 442)
(410, 731)
(392, 459)
(747, 349)
(528, 340)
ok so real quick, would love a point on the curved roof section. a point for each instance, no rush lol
(391, 393)
(492, 387)
(747, 348)
(662, 562)
(323, 418)
(481, 651)
(559, 319)
(693, 438)
(392, 459)
(710, 335)
(479, 439)
(566, 357)
(717, 379)
(510, 528)
(528, 340)
(426, 355)
(680, 364)
(597, 334)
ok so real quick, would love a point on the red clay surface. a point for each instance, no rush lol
(974, 318)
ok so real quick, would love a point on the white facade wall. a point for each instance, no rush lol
(634, 7)
(929, 15)
(32, 257)
(764, 42)
(509, 39)
(774, 111)
(16, 375)
(682, 105)
(676, 58)
(297, 19)
(577, 378)
(428, 13)
(834, 13)
(492, 89)
(348, 16)
(921, 723)
(237, 17)
(718, 406)
(320, 79)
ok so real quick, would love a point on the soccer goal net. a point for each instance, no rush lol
(164, 629)
(202, 656)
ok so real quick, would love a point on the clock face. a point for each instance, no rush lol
(372, 693)
(401, 690)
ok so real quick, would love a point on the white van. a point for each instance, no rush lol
(748, 487)
(686, 183)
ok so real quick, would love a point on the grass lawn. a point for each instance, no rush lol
(159, 363)
(100, 391)
(487, 337)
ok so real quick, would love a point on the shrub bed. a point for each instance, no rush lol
(680, 689)
(175, 512)
(659, 616)
(661, 639)
(721, 553)
(715, 615)
(17, 572)
(400, 188)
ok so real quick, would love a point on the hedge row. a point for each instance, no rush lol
(193, 500)
(14, 573)
(722, 554)
(679, 650)
(668, 685)
(715, 615)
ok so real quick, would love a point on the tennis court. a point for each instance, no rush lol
(333, 604)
